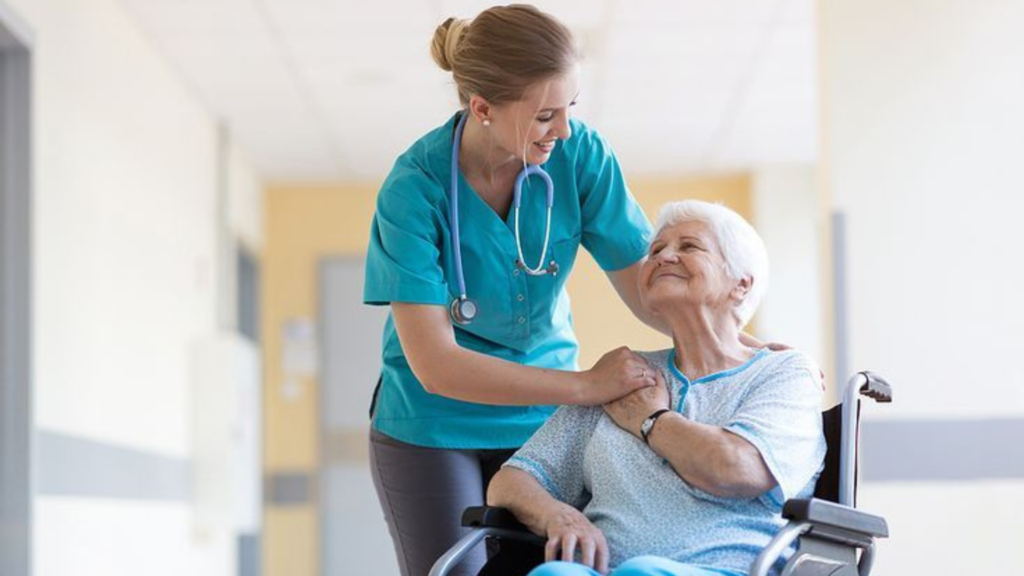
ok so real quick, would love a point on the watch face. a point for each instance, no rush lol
(645, 428)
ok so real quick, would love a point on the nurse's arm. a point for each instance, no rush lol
(447, 369)
(625, 282)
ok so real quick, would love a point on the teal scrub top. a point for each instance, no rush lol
(522, 318)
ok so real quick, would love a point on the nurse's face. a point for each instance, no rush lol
(529, 128)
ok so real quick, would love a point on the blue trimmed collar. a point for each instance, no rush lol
(710, 377)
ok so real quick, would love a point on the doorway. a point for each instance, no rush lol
(354, 538)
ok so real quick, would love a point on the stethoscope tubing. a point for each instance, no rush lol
(453, 206)
(533, 170)
(465, 315)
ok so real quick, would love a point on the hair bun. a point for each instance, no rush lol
(446, 41)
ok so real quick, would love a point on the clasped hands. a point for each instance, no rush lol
(629, 411)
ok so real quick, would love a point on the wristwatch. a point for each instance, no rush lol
(648, 425)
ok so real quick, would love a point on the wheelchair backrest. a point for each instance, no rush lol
(827, 487)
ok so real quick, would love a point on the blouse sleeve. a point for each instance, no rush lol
(781, 417)
(403, 261)
(554, 455)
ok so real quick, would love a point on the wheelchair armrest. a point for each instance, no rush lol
(485, 521)
(826, 520)
(824, 513)
(491, 517)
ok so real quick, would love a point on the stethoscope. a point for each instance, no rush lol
(463, 309)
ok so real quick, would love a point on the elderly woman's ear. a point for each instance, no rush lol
(742, 288)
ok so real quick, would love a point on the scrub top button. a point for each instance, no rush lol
(521, 319)
(520, 297)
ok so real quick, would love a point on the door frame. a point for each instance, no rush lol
(16, 423)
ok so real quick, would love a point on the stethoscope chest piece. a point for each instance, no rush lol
(463, 311)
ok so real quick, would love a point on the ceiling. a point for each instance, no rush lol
(333, 90)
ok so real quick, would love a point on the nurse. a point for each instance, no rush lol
(455, 400)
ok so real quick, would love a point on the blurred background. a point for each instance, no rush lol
(186, 188)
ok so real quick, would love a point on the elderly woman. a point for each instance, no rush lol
(687, 477)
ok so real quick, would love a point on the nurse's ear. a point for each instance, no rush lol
(480, 109)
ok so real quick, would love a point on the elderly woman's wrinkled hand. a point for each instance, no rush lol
(569, 532)
(630, 411)
(618, 373)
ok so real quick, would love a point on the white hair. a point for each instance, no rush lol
(741, 247)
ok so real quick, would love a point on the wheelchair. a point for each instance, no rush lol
(828, 528)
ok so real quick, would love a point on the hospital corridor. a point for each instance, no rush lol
(285, 285)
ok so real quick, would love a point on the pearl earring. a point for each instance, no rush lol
(486, 122)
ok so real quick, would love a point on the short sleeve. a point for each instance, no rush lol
(554, 455)
(615, 230)
(781, 417)
(403, 261)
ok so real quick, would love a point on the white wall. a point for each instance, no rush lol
(924, 121)
(124, 234)
(786, 209)
(90, 536)
(245, 200)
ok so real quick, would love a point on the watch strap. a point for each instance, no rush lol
(648, 425)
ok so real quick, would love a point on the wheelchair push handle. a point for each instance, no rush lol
(861, 384)
(875, 387)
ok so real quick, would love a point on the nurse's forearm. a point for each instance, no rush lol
(447, 369)
(625, 283)
(462, 374)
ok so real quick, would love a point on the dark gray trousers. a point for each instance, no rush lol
(423, 492)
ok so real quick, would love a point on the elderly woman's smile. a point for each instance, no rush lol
(684, 261)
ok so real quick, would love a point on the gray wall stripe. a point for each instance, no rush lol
(289, 488)
(73, 466)
(891, 450)
(936, 450)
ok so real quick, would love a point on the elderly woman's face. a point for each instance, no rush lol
(684, 268)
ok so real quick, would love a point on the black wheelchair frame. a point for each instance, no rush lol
(830, 530)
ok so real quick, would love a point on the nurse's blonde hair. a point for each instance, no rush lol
(502, 52)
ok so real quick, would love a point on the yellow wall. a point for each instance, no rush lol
(305, 224)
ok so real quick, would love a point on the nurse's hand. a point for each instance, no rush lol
(571, 535)
(615, 375)
(751, 342)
